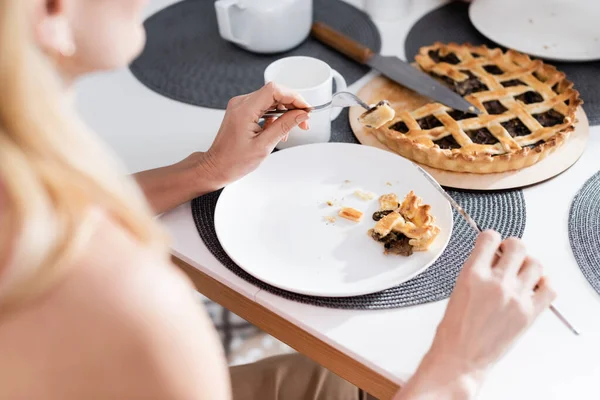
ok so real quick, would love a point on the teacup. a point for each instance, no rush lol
(313, 80)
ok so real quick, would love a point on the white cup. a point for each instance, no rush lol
(387, 10)
(313, 80)
(264, 26)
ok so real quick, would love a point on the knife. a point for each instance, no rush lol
(478, 229)
(392, 67)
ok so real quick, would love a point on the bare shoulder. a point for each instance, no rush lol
(121, 325)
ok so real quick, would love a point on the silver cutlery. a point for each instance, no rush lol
(477, 228)
(340, 99)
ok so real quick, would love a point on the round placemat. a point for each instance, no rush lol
(501, 211)
(451, 23)
(185, 59)
(584, 230)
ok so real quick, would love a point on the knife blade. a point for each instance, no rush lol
(392, 67)
(478, 229)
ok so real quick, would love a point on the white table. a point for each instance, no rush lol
(377, 350)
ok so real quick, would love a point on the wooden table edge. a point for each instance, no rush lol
(300, 340)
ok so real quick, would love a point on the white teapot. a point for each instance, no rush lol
(265, 26)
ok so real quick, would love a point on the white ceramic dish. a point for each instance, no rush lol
(559, 30)
(272, 222)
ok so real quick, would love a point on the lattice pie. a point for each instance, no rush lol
(528, 111)
(404, 227)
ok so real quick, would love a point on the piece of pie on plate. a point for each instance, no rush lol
(404, 227)
(528, 110)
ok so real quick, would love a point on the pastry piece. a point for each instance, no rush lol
(351, 214)
(378, 115)
(528, 110)
(389, 202)
(385, 225)
(406, 227)
(364, 195)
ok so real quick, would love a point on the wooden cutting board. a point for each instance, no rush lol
(563, 158)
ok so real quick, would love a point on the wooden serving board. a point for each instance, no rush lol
(563, 158)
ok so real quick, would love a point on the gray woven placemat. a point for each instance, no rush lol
(450, 23)
(502, 211)
(185, 59)
(584, 230)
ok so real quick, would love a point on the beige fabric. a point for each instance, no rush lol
(290, 377)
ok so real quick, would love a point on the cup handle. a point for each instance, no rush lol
(222, 8)
(340, 86)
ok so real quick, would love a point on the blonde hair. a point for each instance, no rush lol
(53, 171)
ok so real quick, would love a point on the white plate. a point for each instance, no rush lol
(272, 222)
(560, 30)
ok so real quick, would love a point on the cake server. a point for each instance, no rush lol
(392, 67)
(478, 229)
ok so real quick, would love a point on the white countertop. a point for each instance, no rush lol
(148, 130)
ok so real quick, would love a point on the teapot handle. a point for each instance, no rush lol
(225, 30)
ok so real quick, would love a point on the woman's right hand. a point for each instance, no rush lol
(496, 298)
(241, 143)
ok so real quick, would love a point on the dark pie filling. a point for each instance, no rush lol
(516, 127)
(376, 107)
(458, 115)
(530, 97)
(449, 58)
(429, 122)
(399, 126)
(513, 82)
(475, 55)
(470, 85)
(494, 107)
(448, 81)
(482, 136)
(555, 88)
(447, 143)
(493, 69)
(395, 243)
(377, 215)
(549, 118)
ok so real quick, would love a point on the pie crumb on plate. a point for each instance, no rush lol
(351, 214)
(364, 195)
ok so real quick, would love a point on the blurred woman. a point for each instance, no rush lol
(90, 305)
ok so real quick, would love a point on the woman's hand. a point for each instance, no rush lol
(241, 144)
(496, 298)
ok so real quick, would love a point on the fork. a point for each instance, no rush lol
(340, 99)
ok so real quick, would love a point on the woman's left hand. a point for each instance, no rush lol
(241, 144)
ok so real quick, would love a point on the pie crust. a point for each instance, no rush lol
(528, 111)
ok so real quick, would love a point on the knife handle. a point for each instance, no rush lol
(342, 43)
